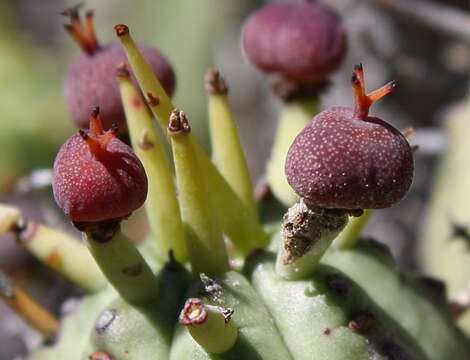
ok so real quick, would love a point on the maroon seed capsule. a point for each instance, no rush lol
(91, 78)
(97, 178)
(301, 41)
(347, 159)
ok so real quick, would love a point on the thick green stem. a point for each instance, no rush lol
(62, 253)
(210, 326)
(122, 264)
(295, 115)
(162, 205)
(237, 221)
(206, 246)
(351, 233)
(306, 235)
(227, 151)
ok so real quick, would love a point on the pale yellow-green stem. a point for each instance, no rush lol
(64, 254)
(227, 151)
(161, 205)
(348, 238)
(27, 308)
(210, 326)
(237, 221)
(295, 115)
(122, 264)
(206, 245)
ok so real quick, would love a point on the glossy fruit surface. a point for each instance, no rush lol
(97, 177)
(349, 160)
(301, 41)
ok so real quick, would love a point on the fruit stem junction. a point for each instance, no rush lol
(363, 101)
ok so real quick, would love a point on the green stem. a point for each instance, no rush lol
(306, 235)
(206, 245)
(122, 264)
(295, 115)
(350, 235)
(63, 254)
(237, 221)
(227, 151)
(210, 326)
(162, 205)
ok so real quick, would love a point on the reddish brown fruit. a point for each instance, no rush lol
(301, 41)
(97, 178)
(348, 160)
(91, 78)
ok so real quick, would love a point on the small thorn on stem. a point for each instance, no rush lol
(121, 30)
(178, 123)
(152, 100)
(122, 71)
(215, 83)
(363, 101)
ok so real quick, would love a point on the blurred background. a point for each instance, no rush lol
(423, 44)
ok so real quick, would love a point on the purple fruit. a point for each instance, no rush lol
(347, 159)
(97, 177)
(91, 78)
(301, 41)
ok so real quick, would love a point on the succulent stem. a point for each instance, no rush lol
(27, 308)
(351, 233)
(227, 151)
(363, 101)
(206, 246)
(83, 34)
(236, 220)
(294, 116)
(121, 263)
(306, 235)
(63, 254)
(210, 326)
(162, 205)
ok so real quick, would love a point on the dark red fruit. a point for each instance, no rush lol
(301, 41)
(97, 177)
(348, 160)
(91, 78)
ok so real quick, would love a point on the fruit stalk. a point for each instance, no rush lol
(306, 234)
(122, 264)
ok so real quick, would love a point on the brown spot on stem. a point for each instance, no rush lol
(100, 355)
(100, 232)
(136, 102)
(54, 260)
(178, 123)
(193, 312)
(144, 142)
(121, 30)
(152, 100)
(133, 270)
(362, 322)
(215, 83)
(327, 332)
